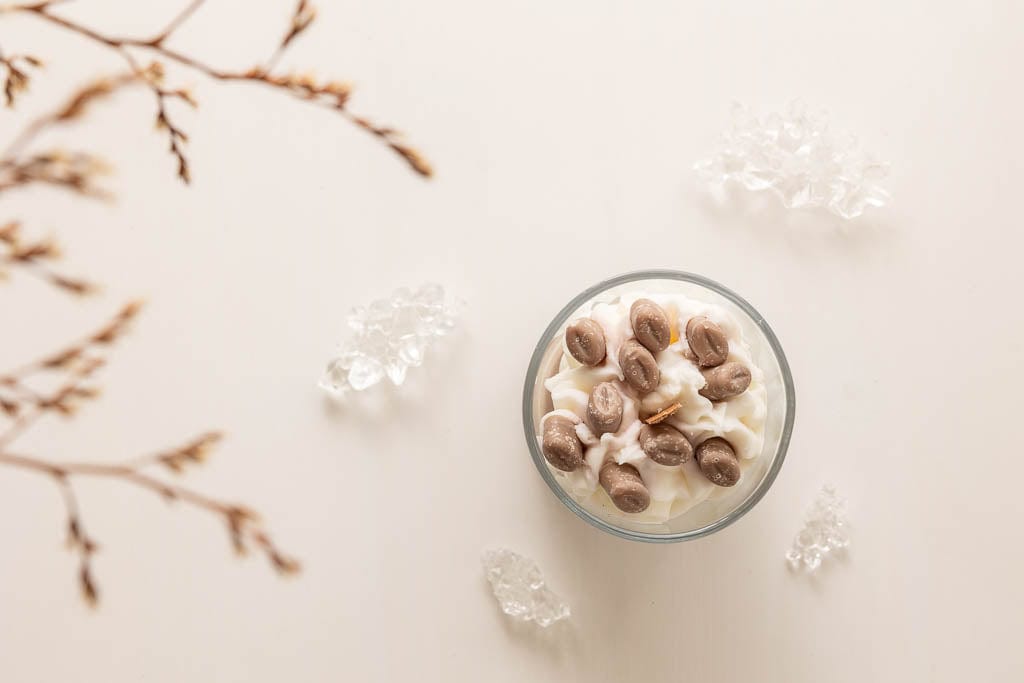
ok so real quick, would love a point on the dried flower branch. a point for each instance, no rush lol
(36, 258)
(331, 94)
(194, 452)
(303, 16)
(75, 171)
(22, 401)
(177, 21)
(243, 526)
(16, 79)
(78, 363)
(177, 137)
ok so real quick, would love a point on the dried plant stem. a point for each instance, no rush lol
(107, 334)
(331, 95)
(126, 472)
(21, 404)
(242, 524)
(79, 541)
(177, 21)
(70, 110)
(59, 401)
(16, 79)
(20, 425)
(47, 274)
(78, 362)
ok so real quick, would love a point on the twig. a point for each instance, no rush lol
(32, 257)
(76, 172)
(106, 335)
(20, 425)
(153, 75)
(80, 361)
(17, 79)
(302, 17)
(72, 109)
(332, 95)
(79, 541)
(176, 22)
(63, 401)
(243, 524)
(22, 405)
(193, 452)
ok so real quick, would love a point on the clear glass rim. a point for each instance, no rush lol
(534, 367)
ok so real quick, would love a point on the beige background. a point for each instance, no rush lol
(563, 134)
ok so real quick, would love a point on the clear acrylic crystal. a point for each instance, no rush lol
(396, 372)
(797, 157)
(365, 372)
(825, 531)
(357, 319)
(410, 351)
(430, 295)
(334, 378)
(388, 337)
(401, 297)
(520, 590)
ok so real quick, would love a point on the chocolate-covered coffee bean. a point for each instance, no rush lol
(707, 342)
(639, 368)
(665, 445)
(718, 461)
(651, 326)
(585, 341)
(624, 487)
(725, 381)
(560, 444)
(604, 409)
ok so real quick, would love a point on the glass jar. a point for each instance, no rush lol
(721, 510)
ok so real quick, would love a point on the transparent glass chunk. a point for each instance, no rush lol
(389, 336)
(520, 590)
(825, 531)
(797, 157)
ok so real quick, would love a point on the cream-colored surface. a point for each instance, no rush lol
(557, 128)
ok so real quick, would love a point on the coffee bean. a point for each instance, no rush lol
(639, 367)
(604, 409)
(625, 487)
(665, 445)
(650, 325)
(585, 341)
(718, 461)
(707, 341)
(725, 381)
(560, 445)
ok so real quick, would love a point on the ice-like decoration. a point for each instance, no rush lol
(388, 337)
(825, 531)
(796, 156)
(520, 590)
